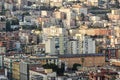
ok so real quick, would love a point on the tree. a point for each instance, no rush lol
(8, 25)
(55, 68)
(15, 21)
(25, 14)
(81, 17)
(113, 77)
(106, 17)
(75, 66)
(107, 27)
(63, 66)
(29, 27)
(39, 27)
(116, 4)
(82, 60)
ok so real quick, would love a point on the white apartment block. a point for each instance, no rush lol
(56, 45)
(88, 45)
(63, 45)
(73, 47)
(79, 37)
(81, 44)
(84, 45)
(50, 45)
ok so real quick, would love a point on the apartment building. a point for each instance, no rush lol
(37, 73)
(45, 59)
(54, 31)
(89, 45)
(95, 31)
(55, 41)
(80, 37)
(70, 17)
(114, 15)
(16, 70)
(59, 15)
(50, 45)
(79, 9)
(93, 2)
(73, 46)
(56, 45)
(85, 44)
(57, 3)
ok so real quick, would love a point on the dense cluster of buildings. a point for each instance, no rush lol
(35, 34)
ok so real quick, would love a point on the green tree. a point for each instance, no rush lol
(106, 17)
(75, 66)
(39, 27)
(63, 66)
(113, 77)
(82, 60)
(28, 27)
(55, 68)
(8, 25)
(15, 21)
(26, 13)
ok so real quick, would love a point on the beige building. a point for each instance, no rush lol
(37, 73)
(16, 70)
(46, 13)
(79, 9)
(101, 31)
(54, 31)
(50, 46)
(117, 31)
(114, 15)
(57, 3)
(70, 17)
(59, 15)
(93, 2)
